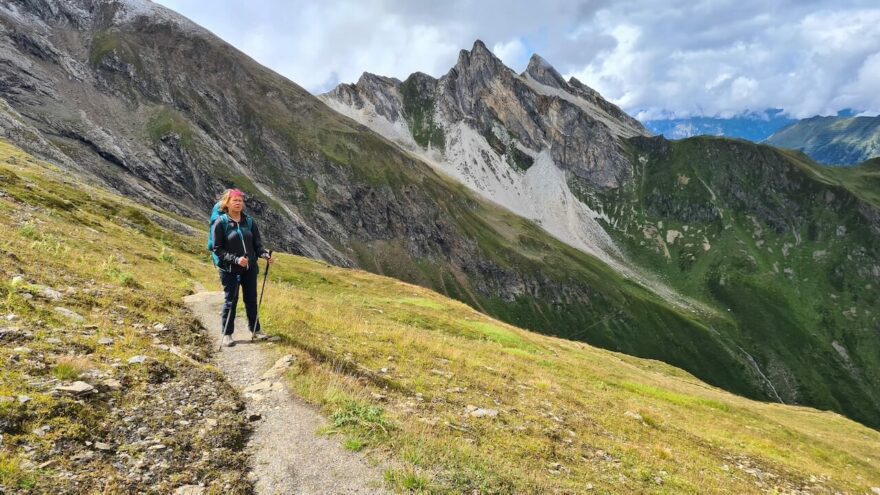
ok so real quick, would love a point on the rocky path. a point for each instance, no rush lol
(287, 456)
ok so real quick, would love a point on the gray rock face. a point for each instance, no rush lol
(537, 108)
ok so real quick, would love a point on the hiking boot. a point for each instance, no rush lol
(227, 341)
(258, 335)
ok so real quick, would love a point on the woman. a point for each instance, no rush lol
(237, 245)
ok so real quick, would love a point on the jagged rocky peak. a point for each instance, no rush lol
(541, 71)
(479, 60)
(368, 80)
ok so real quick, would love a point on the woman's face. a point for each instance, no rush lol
(236, 204)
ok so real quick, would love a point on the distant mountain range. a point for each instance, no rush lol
(753, 126)
(843, 139)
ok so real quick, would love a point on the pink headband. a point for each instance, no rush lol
(235, 192)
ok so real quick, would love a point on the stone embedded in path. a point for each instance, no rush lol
(259, 387)
(76, 388)
(277, 370)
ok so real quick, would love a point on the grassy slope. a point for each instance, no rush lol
(788, 257)
(396, 365)
(124, 274)
(561, 404)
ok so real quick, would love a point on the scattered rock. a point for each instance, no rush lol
(48, 292)
(634, 415)
(11, 317)
(378, 397)
(137, 359)
(875, 490)
(479, 412)
(76, 388)
(17, 280)
(445, 374)
(23, 399)
(105, 341)
(69, 313)
(102, 446)
(112, 384)
(255, 416)
(189, 490)
(159, 327)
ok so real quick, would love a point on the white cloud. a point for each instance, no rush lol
(687, 58)
(512, 53)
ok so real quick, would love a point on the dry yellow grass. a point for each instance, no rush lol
(568, 414)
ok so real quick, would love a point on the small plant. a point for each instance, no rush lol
(69, 368)
(29, 231)
(165, 255)
(354, 444)
(408, 480)
(353, 414)
(124, 278)
(13, 476)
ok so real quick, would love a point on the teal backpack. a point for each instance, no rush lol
(224, 219)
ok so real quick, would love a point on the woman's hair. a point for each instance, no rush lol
(227, 197)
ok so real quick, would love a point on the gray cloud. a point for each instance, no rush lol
(684, 57)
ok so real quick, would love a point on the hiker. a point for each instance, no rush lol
(236, 245)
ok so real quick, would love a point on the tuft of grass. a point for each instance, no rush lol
(70, 368)
(124, 278)
(29, 231)
(406, 480)
(354, 444)
(364, 417)
(13, 476)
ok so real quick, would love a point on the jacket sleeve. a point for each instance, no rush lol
(220, 243)
(258, 241)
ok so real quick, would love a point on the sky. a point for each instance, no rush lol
(653, 58)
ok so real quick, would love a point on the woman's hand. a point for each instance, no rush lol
(269, 258)
(243, 262)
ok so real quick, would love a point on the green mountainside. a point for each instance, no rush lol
(784, 249)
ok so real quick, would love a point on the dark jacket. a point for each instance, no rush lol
(231, 246)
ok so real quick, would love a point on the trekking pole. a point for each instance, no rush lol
(231, 310)
(260, 302)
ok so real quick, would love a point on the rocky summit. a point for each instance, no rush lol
(527, 196)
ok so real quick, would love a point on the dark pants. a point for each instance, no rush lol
(248, 289)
